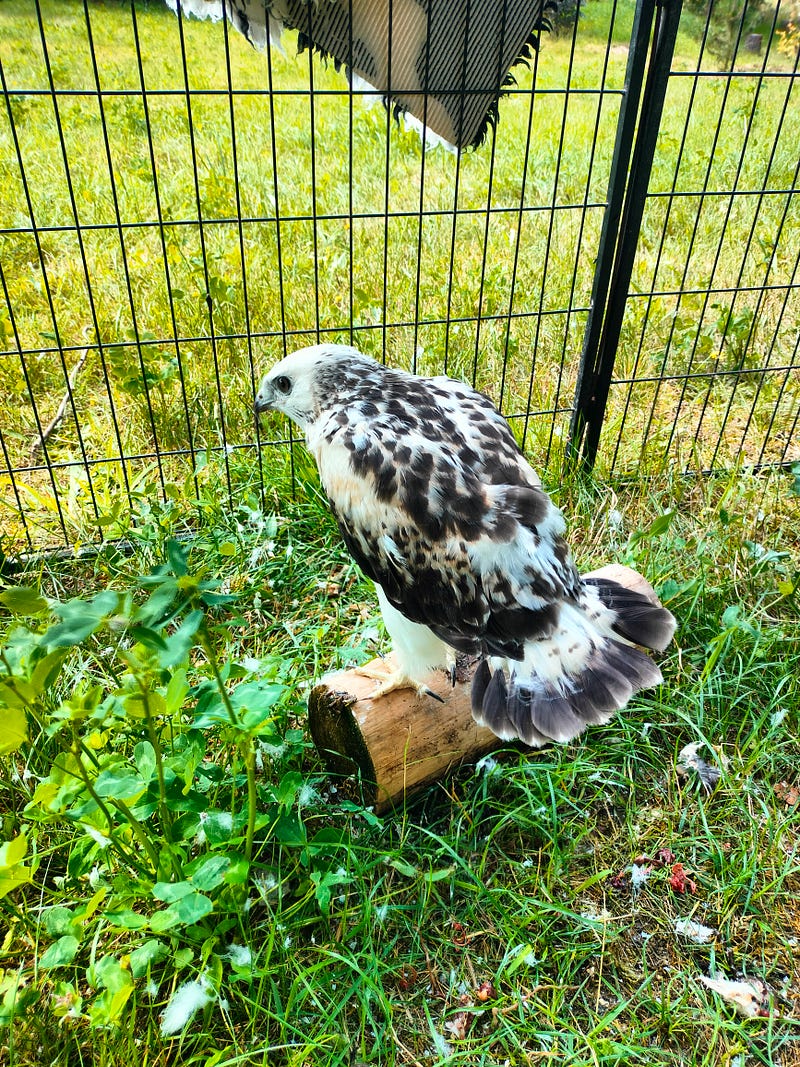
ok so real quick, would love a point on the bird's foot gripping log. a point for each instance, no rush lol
(402, 741)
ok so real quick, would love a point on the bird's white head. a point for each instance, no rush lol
(294, 385)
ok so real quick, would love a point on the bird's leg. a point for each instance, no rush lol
(417, 650)
(391, 680)
(452, 667)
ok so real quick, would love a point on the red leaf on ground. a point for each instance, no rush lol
(619, 880)
(407, 979)
(679, 880)
(789, 794)
(486, 991)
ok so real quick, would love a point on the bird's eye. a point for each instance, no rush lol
(283, 384)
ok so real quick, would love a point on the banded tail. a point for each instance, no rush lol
(579, 673)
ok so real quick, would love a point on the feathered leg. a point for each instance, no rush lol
(417, 651)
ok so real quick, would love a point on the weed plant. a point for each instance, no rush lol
(183, 883)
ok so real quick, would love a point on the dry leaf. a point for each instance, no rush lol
(679, 880)
(789, 794)
(459, 1025)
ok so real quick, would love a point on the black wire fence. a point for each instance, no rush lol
(616, 264)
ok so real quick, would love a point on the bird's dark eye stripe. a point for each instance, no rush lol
(283, 384)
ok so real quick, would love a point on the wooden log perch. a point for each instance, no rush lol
(401, 742)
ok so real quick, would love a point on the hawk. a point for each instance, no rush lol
(439, 507)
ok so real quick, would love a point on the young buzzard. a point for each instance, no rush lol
(442, 511)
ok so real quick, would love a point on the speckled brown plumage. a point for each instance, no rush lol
(439, 507)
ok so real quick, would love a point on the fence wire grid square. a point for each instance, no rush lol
(179, 210)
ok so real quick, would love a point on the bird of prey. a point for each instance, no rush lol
(439, 507)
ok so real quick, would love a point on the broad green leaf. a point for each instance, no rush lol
(732, 617)
(184, 912)
(402, 867)
(212, 599)
(23, 600)
(15, 996)
(12, 878)
(177, 691)
(87, 911)
(80, 618)
(81, 704)
(290, 785)
(440, 875)
(152, 951)
(193, 908)
(179, 798)
(13, 851)
(144, 756)
(238, 871)
(13, 729)
(119, 783)
(257, 696)
(46, 670)
(326, 841)
(218, 827)
(61, 952)
(325, 883)
(151, 639)
(16, 693)
(108, 973)
(171, 891)
(59, 922)
(289, 829)
(138, 705)
(107, 1008)
(178, 557)
(182, 958)
(13, 873)
(82, 854)
(126, 919)
(180, 642)
(157, 609)
(210, 873)
(657, 527)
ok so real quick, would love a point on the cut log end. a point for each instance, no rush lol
(402, 742)
(398, 743)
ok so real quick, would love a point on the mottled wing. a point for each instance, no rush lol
(437, 505)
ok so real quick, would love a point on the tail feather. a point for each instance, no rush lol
(554, 716)
(581, 672)
(539, 711)
(637, 619)
(490, 703)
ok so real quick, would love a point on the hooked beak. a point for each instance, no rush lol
(264, 400)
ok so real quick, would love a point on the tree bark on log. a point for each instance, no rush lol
(401, 742)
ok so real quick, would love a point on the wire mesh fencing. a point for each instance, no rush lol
(179, 211)
(706, 374)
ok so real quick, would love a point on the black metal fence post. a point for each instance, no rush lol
(634, 151)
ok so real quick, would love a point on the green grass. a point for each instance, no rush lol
(370, 938)
(500, 875)
(719, 241)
